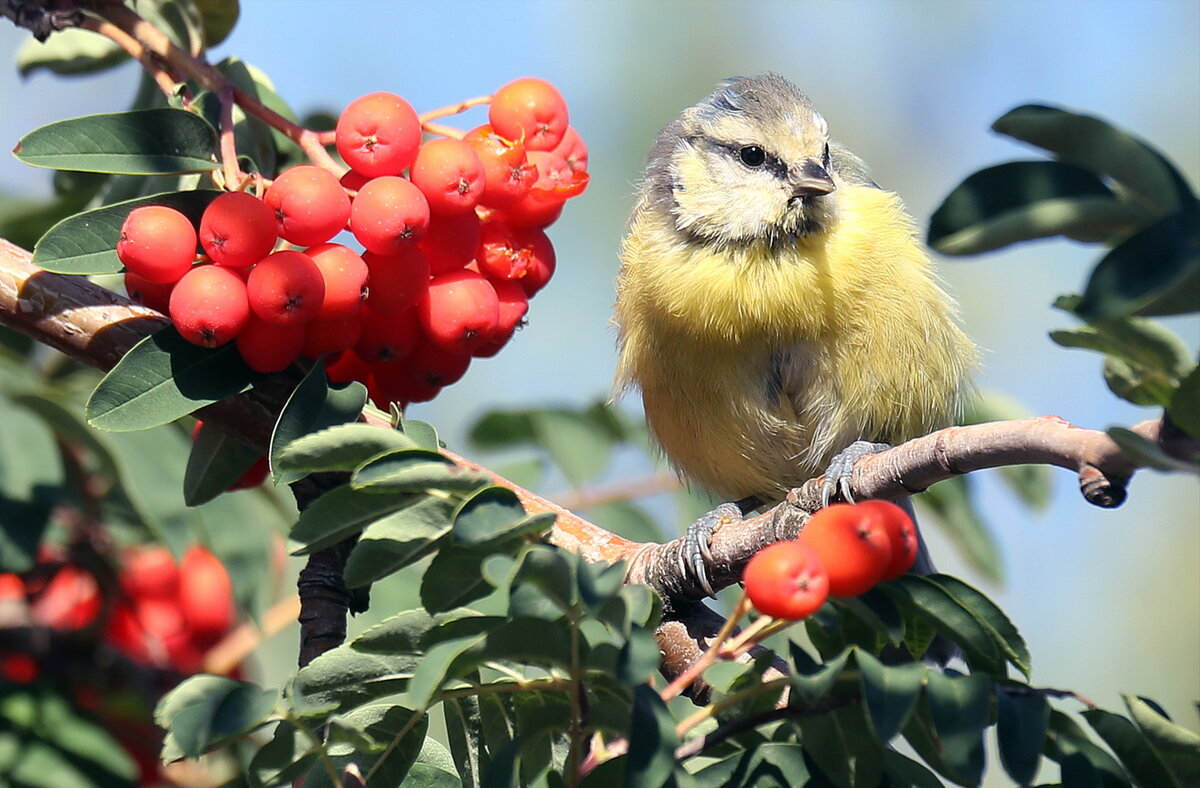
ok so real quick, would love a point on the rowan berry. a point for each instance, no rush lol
(286, 288)
(157, 243)
(460, 312)
(450, 175)
(786, 580)
(854, 547)
(237, 230)
(310, 205)
(209, 306)
(532, 110)
(378, 134)
(388, 214)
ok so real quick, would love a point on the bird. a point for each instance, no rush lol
(776, 307)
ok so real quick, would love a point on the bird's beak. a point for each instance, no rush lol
(812, 180)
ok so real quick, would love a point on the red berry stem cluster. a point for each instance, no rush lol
(449, 246)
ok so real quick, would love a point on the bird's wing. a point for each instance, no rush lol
(849, 167)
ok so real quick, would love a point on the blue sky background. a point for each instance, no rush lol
(1109, 601)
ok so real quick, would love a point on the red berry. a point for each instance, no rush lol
(331, 336)
(354, 180)
(147, 293)
(286, 289)
(786, 580)
(461, 311)
(435, 366)
(310, 205)
(19, 668)
(157, 243)
(269, 347)
(237, 230)
(513, 306)
(149, 571)
(523, 254)
(572, 150)
(396, 281)
(345, 275)
(451, 242)
(12, 587)
(209, 305)
(853, 546)
(205, 593)
(348, 366)
(556, 184)
(532, 110)
(902, 535)
(71, 600)
(393, 383)
(255, 475)
(450, 175)
(378, 134)
(387, 337)
(388, 214)
(508, 176)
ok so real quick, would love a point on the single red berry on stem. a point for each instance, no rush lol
(157, 243)
(460, 312)
(389, 214)
(209, 305)
(450, 175)
(854, 547)
(286, 288)
(345, 274)
(378, 134)
(786, 580)
(902, 535)
(532, 110)
(310, 205)
(237, 230)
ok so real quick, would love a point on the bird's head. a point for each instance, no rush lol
(749, 163)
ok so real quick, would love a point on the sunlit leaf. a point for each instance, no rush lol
(1132, 747)
(340, 448)
(1178, 747)
(161, 141)
(340, 513)
(70, 51)
(205, 711)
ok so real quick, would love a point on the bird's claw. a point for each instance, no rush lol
(841, 469)
(695, 555)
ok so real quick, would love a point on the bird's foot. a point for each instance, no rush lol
(841, 468)
(695, 557)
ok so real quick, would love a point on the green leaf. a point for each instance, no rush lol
(152, 465)
(951, 503)
(375, 745)
(843, 746)
(86, 243)
(1184, 408)
(487, 515)
(314, 405)
(1143, 343)
(206, 711)
(774, 763)
(890, 692)
(218, 17)
(986, 612)
(579, 447)
(416, 470)
(163, 378)
(1132, 747)
(454, 578)
(435, 667)
(421, 432)
(340, 448)
(258, 85)
(70, 51)
(907, 772)
(652, 740)
(960, 709)
(283, 759)
(1024, 200)
(1147, 453)
(951, 618)
(340, 513)
(550, 571)
(1156, 272)
(1096, 145)
(812, 680)
(161, 141)
(1077, 754)
(215, 462)
(247, 552)
(65, 418)
(1178, 747)
(1022, 717)
(1136, 385)
(397, 540)
(639, 658)
(31, 478)
(344, 678)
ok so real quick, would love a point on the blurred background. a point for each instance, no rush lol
(1109, 601)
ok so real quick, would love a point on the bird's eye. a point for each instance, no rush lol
(752, 155)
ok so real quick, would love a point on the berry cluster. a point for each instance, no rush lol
(166, 615)
(452, 241)
(844, 550)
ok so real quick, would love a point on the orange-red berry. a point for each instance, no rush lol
(157, 243)
(209, 305)
(286, 288)
(237, 230)
(786, 580)
(310, 205)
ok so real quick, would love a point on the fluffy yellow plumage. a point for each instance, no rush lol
(774, 305)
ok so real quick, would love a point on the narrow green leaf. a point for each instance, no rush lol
(1136, 753)
(344, 678)
(434, 668)
(314, 405)
(486, 515)
(776, 762)
(1136, 384)
(70, 51)
(1184, 407)
(206, 711)
(626, 519)
(907, 772)
(551, 572)
(991, 616)
(960, 709)
(453, 579)
(1077, 754)
(397, 540)
(368, 737)
(1025, 200)
(340, 513)
(652, 740)
(163, 378)
(66, 420)
(31, 479)
(1147, 453)
(86, 243)
(877, 611)
(890, 692)
(1144, 343)
(1030, 483)
(284, 758)
(340, 448)
(843, 746)
(497, 430)
(951, 619)
(1092, 143)
(639, 658)
(139, 142)
(1156, 272)
(215, 462)
(416, 470)
(1178, 747)
(1022, 717)
(814, 680)
(421, 432)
